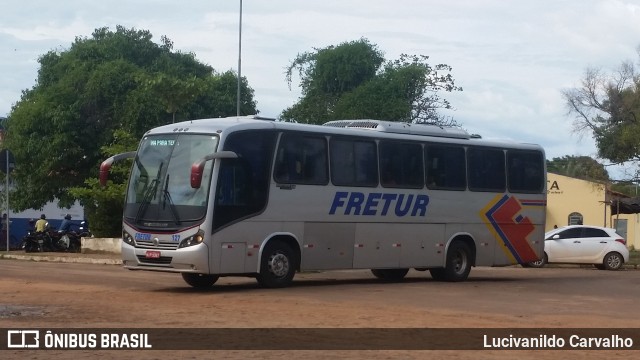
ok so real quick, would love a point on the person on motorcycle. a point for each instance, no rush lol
(41, 224)
(66, 223)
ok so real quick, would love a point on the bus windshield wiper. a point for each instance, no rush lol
(148, 195)
(172, 206)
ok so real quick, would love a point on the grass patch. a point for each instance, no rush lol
(634, 257)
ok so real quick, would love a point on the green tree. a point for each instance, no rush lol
(102, 203)
(111, 80)
(580, 167)
(608, 107)
(173, 92)
(626, 187)
(352, 80)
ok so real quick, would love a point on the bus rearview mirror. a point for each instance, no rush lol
(105, 167)
(197, 169)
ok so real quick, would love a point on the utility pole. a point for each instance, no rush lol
(239, 60)
(6, 192)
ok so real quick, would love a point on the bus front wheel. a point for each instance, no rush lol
(199, 281)
(458, 264)
(277, 266)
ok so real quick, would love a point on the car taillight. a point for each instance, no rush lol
(622, 241)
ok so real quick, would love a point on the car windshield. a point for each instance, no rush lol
(160, 192)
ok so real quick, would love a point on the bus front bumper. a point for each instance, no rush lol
(194, 259)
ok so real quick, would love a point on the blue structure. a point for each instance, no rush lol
(19, 222)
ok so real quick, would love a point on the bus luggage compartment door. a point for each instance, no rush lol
(327, 246)
(232, 256)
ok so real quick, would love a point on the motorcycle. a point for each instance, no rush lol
(33, 242)
(52, 240)
(61, 240)
(83, 230)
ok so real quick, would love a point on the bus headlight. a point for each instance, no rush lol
(192, 240)
(128, 239)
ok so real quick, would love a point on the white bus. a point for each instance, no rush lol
(249, 196)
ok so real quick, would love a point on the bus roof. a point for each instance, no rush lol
(365, 127)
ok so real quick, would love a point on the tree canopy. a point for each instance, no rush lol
(352, 80)
(608, 106)
(581, 167)
(112, 80)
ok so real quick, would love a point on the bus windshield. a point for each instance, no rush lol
(159, 193)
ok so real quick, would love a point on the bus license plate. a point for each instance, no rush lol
(152, 254)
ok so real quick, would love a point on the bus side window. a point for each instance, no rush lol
(445, 167)
(486, 169)
(235, 188)
(401, 165)
(302, 159)
(353, 162)
(525, 173)
(243, 183)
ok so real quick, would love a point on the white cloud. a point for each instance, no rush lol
(512, 58)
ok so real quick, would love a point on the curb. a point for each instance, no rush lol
(64, 259)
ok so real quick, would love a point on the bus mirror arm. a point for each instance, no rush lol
(198, 167)
(105, 167)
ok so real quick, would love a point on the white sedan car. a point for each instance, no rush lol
(584, 244)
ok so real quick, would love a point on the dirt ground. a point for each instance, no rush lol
(57, 295)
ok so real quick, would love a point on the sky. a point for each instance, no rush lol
(513, 58)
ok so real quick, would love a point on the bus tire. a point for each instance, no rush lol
(200, 281)
(277, 266)
(390, 274)
(437, 274)
(458, 264)
(538, 264)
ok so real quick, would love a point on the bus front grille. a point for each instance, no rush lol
(162, 260)
(162, 245)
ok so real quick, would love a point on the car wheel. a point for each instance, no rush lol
(540, 263)
(200, 281)
(613, 261)
(390, 274)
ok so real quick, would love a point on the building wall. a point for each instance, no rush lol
(566, 195)
(633, 229)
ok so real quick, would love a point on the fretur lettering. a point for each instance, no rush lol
(383, 204)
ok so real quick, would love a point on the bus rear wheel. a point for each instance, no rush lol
(200, 281)
(390, 274)
(539, 263)
(458, 264)
(278, 265)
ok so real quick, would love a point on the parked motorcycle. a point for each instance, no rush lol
(83, 230)
(60, 240)
(33, 242)
(51, 240)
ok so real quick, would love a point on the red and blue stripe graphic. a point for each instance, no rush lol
(527, 202)
(512, 228)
